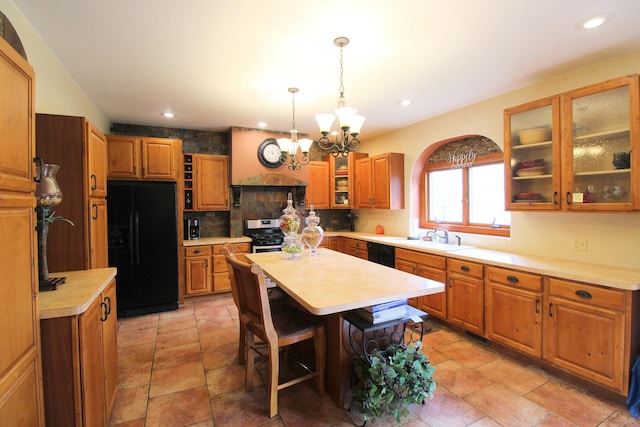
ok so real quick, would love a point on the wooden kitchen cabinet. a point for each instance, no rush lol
(380, 181)
(576, 172)
(198, 270)
(98, 239)
(80, 363)
(21, 396)
(342, 180)
(355, 247)
(211, 182)
(586, 332)
(221, 280)
(432, 267)
(79, 148)
(317, 193)
(514, 309)
(134, 158)
(465, 295)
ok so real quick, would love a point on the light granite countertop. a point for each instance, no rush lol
(204, 241)
(77, 294)
(603, 275)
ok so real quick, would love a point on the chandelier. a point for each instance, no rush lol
(348, 121)
(289, 146)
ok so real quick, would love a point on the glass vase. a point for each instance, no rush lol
(312, 234)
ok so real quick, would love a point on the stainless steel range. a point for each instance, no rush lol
(265, 234)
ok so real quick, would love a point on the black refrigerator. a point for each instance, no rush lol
(143, 245)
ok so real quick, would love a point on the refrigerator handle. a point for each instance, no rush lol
(131, 239)
(137, 239)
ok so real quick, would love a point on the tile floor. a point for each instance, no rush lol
(180, 368)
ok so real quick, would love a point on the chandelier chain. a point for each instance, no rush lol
(341, 89)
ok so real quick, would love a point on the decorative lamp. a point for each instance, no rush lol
(48, 194)
(289, 146)
(349, 122)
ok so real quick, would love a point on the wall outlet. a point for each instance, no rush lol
(580, 245)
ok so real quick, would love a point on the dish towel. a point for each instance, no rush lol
(633, 401)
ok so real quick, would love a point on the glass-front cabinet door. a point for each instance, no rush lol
(343, 181)
(577, 151)
(600, 137)
(532, 155)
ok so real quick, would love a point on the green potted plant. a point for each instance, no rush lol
(390, 380)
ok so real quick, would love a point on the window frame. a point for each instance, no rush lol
(464, 226)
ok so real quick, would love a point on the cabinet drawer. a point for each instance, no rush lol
(466, 267)
(518, 279)
(576, 291)
(357, 244)
(198, 250)
(238, 248)
(429, 260)
(219, 264)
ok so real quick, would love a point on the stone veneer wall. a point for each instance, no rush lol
(256, 201)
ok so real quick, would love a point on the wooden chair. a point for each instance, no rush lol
(282, 328)
(228, 251)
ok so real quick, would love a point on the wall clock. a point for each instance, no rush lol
(269, 153)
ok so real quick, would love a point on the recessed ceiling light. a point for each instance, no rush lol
(593, 22)
(406, 102)
(168, 115)
(262, 125)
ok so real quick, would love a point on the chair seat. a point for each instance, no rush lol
(289, 321)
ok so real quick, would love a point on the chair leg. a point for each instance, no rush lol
(242, 346)
(250, 361)
(274, 371)
(320, 345)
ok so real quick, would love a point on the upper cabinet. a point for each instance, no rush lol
(211, 182)
(380, 181)
(577, 151)
(132, 157)
(79, 148)
(342, 180)
(318, 189)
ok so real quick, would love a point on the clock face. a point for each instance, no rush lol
(269, 153)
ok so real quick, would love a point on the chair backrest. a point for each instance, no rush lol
(227, 251)
(253, 300)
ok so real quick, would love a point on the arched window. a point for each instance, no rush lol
(464, 187)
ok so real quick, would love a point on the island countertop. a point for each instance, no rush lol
(332, 282)
(75, 296)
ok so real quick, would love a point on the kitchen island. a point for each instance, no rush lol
(332, 283)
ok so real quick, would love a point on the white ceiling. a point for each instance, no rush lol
(221, 63)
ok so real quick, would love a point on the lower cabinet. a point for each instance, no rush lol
(221, 281)
(465, 295)
(206, 268)
(355, 247)
(586, 332)
(432, 267)
(80, 364)
(514, 309)
(198, 270)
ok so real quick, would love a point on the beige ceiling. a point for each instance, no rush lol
(221, 63)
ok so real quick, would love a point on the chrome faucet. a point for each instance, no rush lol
(444, 236)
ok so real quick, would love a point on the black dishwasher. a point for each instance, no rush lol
(382, 254)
